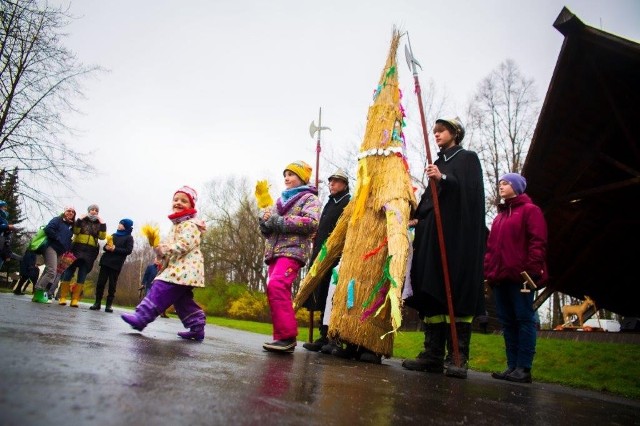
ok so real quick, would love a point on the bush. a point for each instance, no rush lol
(250, 306)
(217, 297)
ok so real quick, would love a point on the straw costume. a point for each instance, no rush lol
(371, 236)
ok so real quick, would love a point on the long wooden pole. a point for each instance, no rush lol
(436, 208)
(318, 129)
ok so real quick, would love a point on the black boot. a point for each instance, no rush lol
(431, 359)
(503, 375)
(463, 330)
(96, 306)
(519, 375)
(107, 307)
(329, 347)
(317, 344)
(350, 351)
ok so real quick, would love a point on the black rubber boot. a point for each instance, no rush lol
(329, 347)
(107, 307)
(317, 344)
(463, 330)
(96, 306)
(350, 351)
(431, 359)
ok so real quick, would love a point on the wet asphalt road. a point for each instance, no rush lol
(67, 366)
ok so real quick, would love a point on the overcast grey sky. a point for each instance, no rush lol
(203, 89)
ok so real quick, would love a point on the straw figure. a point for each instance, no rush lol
(372, 234)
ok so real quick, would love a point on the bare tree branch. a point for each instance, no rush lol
(502, 118)
(39, 79)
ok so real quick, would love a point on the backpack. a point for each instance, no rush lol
(38, 240)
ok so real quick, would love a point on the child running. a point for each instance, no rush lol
(288, 228)
(182, 270)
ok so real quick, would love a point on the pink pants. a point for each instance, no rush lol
(282, 272)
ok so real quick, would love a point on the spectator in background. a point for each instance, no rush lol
(59, 232)
(115, 254)
(150, 273)
(6, 230)
(29, 272)
(88, 229)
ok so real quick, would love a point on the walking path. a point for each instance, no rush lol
(62, 365)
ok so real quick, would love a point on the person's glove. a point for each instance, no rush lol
(275, 223)
(263, 226)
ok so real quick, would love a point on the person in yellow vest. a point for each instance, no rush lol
(87, 231)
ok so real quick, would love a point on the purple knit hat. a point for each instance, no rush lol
(517, 182)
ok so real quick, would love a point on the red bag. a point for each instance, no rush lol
(64, 261)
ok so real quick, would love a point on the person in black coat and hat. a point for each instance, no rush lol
(111, 263)
(338, 199)
(457, 175)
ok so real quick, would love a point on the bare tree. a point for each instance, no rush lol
(39, 79)
(502, 118)
(233, 246)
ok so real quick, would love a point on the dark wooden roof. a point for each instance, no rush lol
(583, 167)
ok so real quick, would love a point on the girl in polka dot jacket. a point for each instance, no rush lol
(183, 269)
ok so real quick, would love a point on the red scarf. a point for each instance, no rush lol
(183, 215)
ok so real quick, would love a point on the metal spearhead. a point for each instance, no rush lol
(411, 60)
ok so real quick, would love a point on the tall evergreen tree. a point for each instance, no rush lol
(9, 194)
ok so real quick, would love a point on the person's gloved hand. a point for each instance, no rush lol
(274, 223)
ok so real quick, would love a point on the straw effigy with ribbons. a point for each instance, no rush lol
(371, 236)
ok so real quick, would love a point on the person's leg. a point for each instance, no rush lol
(282, 273)
(28, 259)
(527, 334)
(431, 359)
(83, 270)
(102, 280)
(505, 312)
(18, 288)
(191, 315)
(161, 296)
(65, 283)
(48, 276)
(113, 282)
(463, 333)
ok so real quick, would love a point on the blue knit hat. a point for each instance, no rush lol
(128, 224)
(517, 182)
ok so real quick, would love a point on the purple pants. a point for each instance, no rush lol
(282, 272)
(164, 294)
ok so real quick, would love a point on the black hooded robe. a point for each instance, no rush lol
(462, 211)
